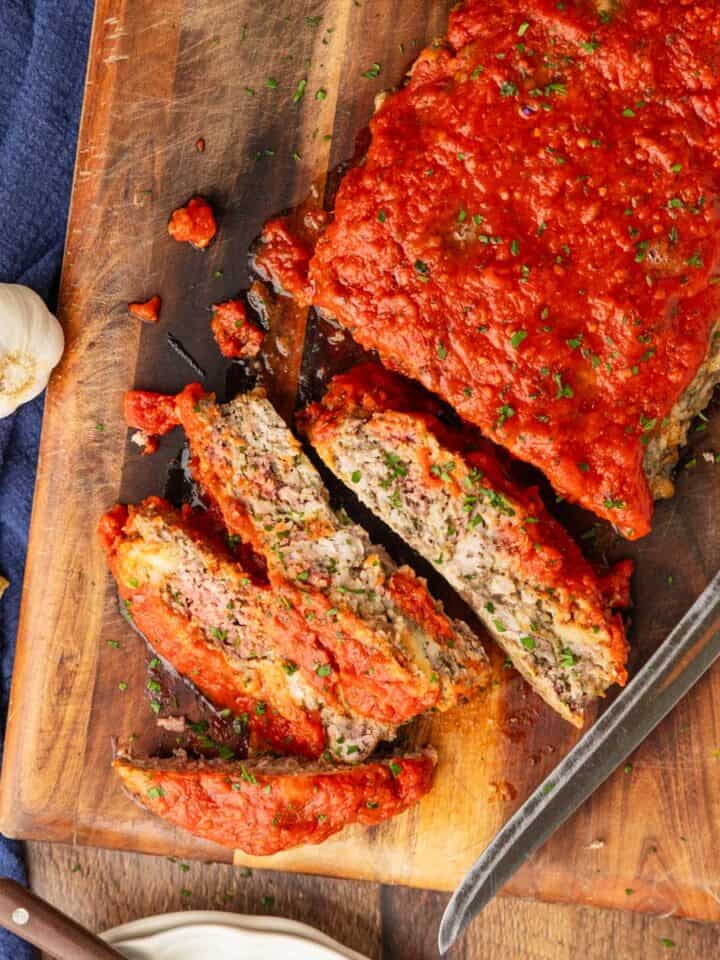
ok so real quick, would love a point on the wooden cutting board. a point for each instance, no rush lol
(164, 73)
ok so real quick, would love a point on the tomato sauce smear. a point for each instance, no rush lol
(533, 233)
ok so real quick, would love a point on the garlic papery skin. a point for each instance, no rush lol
(31, 344)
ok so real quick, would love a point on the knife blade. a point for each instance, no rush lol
(684, 656)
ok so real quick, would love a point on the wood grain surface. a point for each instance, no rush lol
(162, 74)
(102, 888)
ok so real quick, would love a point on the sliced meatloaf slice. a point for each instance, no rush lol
(445, 492)
(264, 806)
(232, 636)
(395, 652)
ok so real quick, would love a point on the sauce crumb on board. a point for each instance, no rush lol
(148, 311)
(194, 223)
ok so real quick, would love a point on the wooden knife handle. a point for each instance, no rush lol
(34, 920)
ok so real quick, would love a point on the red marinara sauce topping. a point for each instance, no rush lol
(235, 336)
(286, 246)
(147, 311)
(193, 223)
(533, 233)
(152, 414)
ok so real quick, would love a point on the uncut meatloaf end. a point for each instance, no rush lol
(666, 439)
(264, 806)
(448, 496)
(498, 245)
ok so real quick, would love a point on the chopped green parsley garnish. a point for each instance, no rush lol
(373, 72)
(564, 390)
(528, 642)
(504, 413)
(641, 250)
(567, 658)
(443, 470)
(246, 775)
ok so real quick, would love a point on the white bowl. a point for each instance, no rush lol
(216, 935)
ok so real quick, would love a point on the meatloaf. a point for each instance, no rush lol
(232, 636)
(396, 654)
(267, 805)
(445, 492)
(533, 235)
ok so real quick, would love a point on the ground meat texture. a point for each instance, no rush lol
(395, 651)
(533, 235)
(230, 635)
(235, 336)
(193, 223)
(266, 806)
(147, 311)
(494, 542)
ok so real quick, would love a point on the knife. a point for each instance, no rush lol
(683, 657)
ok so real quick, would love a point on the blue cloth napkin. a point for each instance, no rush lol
(43, 51)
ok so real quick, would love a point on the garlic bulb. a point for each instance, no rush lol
(31, 344)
